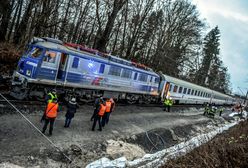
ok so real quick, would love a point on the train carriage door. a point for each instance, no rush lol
(165, 90)
(62, 66)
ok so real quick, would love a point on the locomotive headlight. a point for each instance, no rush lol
(28, 72)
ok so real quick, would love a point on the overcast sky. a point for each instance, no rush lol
(231, 16)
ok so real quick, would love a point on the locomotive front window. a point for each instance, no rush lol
(35, 52)
(50, 56)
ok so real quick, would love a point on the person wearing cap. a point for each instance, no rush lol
(50, 115)
(71, 110)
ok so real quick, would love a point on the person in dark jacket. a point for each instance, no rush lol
(71, 110)
(96, 107)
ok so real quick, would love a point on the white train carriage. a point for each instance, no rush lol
(184, 92)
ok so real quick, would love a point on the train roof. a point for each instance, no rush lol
(191, 85)
(59, 45)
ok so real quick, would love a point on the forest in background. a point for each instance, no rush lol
(166, 35)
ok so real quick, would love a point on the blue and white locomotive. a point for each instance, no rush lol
(87, 73)
(71, 68)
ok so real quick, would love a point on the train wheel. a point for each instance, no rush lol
(37, 93)
(131, 99)
(19, 93)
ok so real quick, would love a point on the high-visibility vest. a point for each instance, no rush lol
(108, 106)
(102, 110)
(51, 97)
(52, 110)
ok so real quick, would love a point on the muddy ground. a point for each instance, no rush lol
(144, 127)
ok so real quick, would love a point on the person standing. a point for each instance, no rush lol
(109, 108)
(206, 109)
(50, 115)
(170, 104)
(51, 95)
(48, 99)
(167, 104)
(71, 110)
(99, 115)
(96, 107)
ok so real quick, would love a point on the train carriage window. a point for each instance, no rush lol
(175, 88)
(142, 77)
(184, 90)
(114, 70)
(201, 94)
(196, 92)
(151, 78)
(156, 80)
(189, 90)
(180, 89)
(75, 62)
(126, 73)
(102, 67)
(50, 56)
(192, 93)
(170, 89)
(135, 76)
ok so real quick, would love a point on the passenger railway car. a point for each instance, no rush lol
(75, 69)
(183, 92)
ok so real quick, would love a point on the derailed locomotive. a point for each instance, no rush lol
(75, 69)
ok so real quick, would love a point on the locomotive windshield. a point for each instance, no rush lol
(34, 52)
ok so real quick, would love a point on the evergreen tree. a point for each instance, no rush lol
(210, 56)
(212, 72)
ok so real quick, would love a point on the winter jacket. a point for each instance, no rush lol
(71, 110)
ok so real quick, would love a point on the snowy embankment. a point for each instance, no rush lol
(159, 158)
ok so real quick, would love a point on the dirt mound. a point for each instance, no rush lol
(226, 150)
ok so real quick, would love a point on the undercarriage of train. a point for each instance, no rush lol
(29, 91)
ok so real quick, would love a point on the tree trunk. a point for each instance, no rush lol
(102, 41)
(21, 31)
(6, 9)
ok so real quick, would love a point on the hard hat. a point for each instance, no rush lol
(73, 100)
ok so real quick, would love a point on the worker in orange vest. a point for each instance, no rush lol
(50, 115)
(109, 108)
(100, 114)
